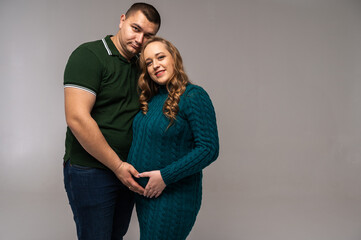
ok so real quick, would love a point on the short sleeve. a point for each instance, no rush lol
(83, 70)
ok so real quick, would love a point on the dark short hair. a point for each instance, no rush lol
(148, 10)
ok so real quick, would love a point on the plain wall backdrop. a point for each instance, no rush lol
(284, 77)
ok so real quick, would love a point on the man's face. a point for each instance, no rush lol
(134, 31)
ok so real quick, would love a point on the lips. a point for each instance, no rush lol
(136, 47)
(159, 73)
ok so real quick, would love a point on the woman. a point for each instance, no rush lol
(174, 138)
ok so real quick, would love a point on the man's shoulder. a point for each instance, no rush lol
(92, 45)
(90, 50)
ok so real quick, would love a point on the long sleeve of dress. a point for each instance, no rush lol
(200, 114)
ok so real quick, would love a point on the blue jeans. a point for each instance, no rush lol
(101, 204)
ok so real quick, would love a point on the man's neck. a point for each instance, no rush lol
(115, 40)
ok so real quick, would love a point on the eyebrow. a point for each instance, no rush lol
(155, 55)
(140, 28)
(136, 25)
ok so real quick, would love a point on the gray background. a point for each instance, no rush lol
(284, 77)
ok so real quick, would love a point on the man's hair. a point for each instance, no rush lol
(148, 10)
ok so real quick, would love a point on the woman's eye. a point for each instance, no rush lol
(161, 57)
(148, 64)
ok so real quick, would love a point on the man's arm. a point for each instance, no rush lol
(78, 106)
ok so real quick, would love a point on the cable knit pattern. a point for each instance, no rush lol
(180, 153)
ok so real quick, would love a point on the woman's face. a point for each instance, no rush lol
(159, 62)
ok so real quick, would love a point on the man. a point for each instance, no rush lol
(101, 100)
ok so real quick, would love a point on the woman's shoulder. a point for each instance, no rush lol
(195, 95)
(192, 89)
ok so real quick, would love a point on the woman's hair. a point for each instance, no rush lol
(175, 86)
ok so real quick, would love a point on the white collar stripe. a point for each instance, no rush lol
(106, 46)
(79, 87)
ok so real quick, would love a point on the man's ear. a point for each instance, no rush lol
(122, 19)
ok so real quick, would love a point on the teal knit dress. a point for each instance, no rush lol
(180, 153)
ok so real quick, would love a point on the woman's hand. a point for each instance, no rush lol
(155, 184)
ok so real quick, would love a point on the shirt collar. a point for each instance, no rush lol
(113, 51)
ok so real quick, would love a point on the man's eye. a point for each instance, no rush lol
(135, 29)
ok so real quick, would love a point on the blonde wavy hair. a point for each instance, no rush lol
(175, 86)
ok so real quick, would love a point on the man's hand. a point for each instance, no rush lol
(155, 184)
(125, 172)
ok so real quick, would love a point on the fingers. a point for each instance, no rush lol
(151, 193)
(144, 174)
(134, 172)
(135, 187)
(155, 184)
(158, 194)
(148, 191)
(125, 174)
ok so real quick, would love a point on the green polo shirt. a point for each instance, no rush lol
(98, 67)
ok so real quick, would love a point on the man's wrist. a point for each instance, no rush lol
(118, 166)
